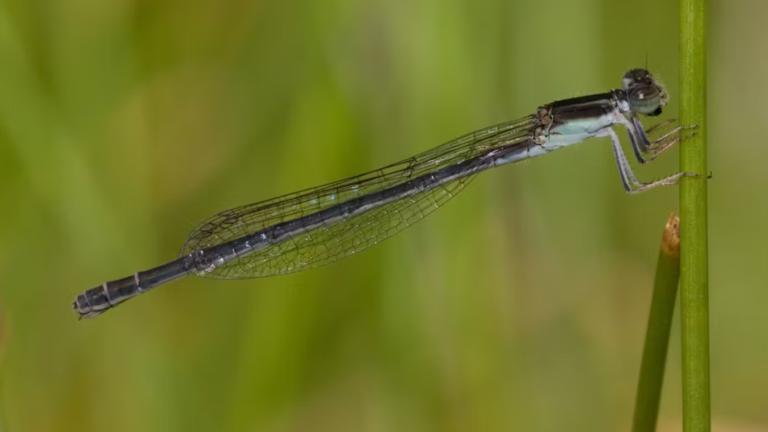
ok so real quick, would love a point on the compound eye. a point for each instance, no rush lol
(644, 94)
(645, 100)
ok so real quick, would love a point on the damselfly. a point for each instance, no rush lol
(320, 225)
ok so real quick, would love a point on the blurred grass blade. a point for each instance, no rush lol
(659, 325)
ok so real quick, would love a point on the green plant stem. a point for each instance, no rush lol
(693, 214)
(659, 326)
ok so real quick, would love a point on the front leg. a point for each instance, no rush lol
(666, 139)
(629, 181)
(646, 150)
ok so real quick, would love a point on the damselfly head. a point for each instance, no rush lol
(644, 94)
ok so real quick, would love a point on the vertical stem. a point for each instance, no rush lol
(659, 326)
(693, 214)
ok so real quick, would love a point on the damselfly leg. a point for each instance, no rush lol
(648, 144)
(628, 179)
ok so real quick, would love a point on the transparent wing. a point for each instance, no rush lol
(332, 241)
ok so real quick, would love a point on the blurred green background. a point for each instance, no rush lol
(520, 305)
